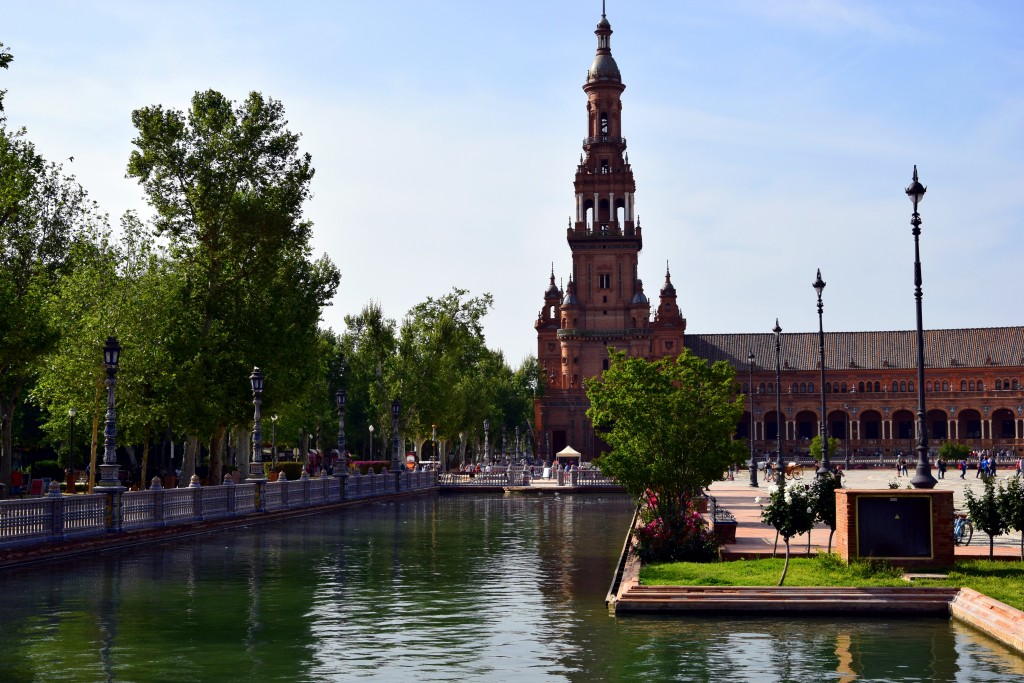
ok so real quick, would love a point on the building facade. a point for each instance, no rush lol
(973, 377)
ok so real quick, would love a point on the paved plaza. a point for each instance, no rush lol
(753, 537)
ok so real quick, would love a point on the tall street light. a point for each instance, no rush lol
(109, 468)
(750, 387)
(256, 463)
(395, 462)
(826, 466)
(923, 478)
(70, 488)
(433, 440)
(371, 442)
(780, 472)
(340, 396)
(487, 439)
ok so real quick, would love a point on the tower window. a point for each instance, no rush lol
(604, 124)
(605, 281)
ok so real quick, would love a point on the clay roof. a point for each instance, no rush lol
(959, 348)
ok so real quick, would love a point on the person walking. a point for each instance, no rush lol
(963, 468)
(941, 465)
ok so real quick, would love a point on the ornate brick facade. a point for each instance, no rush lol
(973, 378)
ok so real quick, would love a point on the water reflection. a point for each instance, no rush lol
(495, 588)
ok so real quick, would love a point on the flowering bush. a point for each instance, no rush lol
(673, 531)
(791, 510)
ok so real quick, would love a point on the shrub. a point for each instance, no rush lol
(291, 470)
(676, 533)
(48, 469)
(364, 466)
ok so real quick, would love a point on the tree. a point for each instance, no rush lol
(228, 184)
(41, 213)
(985, 512)
(1011, 507)
(815, 447)
(824, 490)
(952, 451)
(792, 510)
(670, 424)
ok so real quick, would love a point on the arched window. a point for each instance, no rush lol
(1016, 385)
(910, 387)
(803, 388)
(981, 385)
(999, 384)
(903, 386)
(896, 386)
(760, 388)
(746, 388)
(795, 388)
(604, 363)
(860, 387)
(878, 386)
(945, 386)
(828, 387)
(869, 387)
(844, 387)
(970, 385)
(810, 387)
(963, 385)
(771, 388)
(928, 386)
(604, 124)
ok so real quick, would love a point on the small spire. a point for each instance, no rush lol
(667, 273)
(602, 9)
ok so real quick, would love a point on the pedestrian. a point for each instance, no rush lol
(981, 468)
(1018, 468)
(941, 464)
(839, 476)
(963, 468)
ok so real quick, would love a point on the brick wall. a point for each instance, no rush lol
(941, 524)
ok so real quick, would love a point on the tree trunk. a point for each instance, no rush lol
(188, 460)
(775, 547)
(7, 438)
(831, 533)
(145, 456)
(216, 451)
(94, 446)
(991, 546)
(785, 566)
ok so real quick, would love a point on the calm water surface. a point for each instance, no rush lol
(499, 588)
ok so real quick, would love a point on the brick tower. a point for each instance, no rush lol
(603, 304)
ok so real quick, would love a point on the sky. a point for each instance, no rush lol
(768, 140)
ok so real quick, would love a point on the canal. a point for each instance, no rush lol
(451, 588)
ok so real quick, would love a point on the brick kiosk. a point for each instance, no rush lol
(909, 527)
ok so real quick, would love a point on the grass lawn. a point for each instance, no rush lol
(1003, 581)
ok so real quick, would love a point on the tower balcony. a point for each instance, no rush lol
(603, 140)
(627, 333)
(613, 229)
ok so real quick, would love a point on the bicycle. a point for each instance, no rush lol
(963, 529)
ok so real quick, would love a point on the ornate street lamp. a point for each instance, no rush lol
(826, 466)
(923, 478)
(371, 442)
(750, 386)
(70, 488)
(340, 396)
(256, 463)
(487, 439)
(109, 468)
(517, 442)
(396, 464)
(780, 472)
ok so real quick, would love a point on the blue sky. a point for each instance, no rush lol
(768, 139)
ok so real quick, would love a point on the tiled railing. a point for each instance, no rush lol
(56, 517)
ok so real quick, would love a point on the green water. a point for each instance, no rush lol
(482, 588)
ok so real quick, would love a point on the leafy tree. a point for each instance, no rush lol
(815, 447)
(952, 451)
(985, 512)
(670, 425)
(228, 184)
(41, 213)
(792, 510)
(1011, 507)
(824, 492)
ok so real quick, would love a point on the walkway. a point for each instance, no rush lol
(753, 537)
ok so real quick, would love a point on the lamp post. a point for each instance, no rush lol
(109, 468)
(340, 396)
(780, 474)
(433, 440)
(846, 407)
(70, 486)
(923, 478)
(826, 466)
(750, 385)
(273, 439)
(371, 442)
(256, 463)
(395, 462)
(517, 442)
(487, 439)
